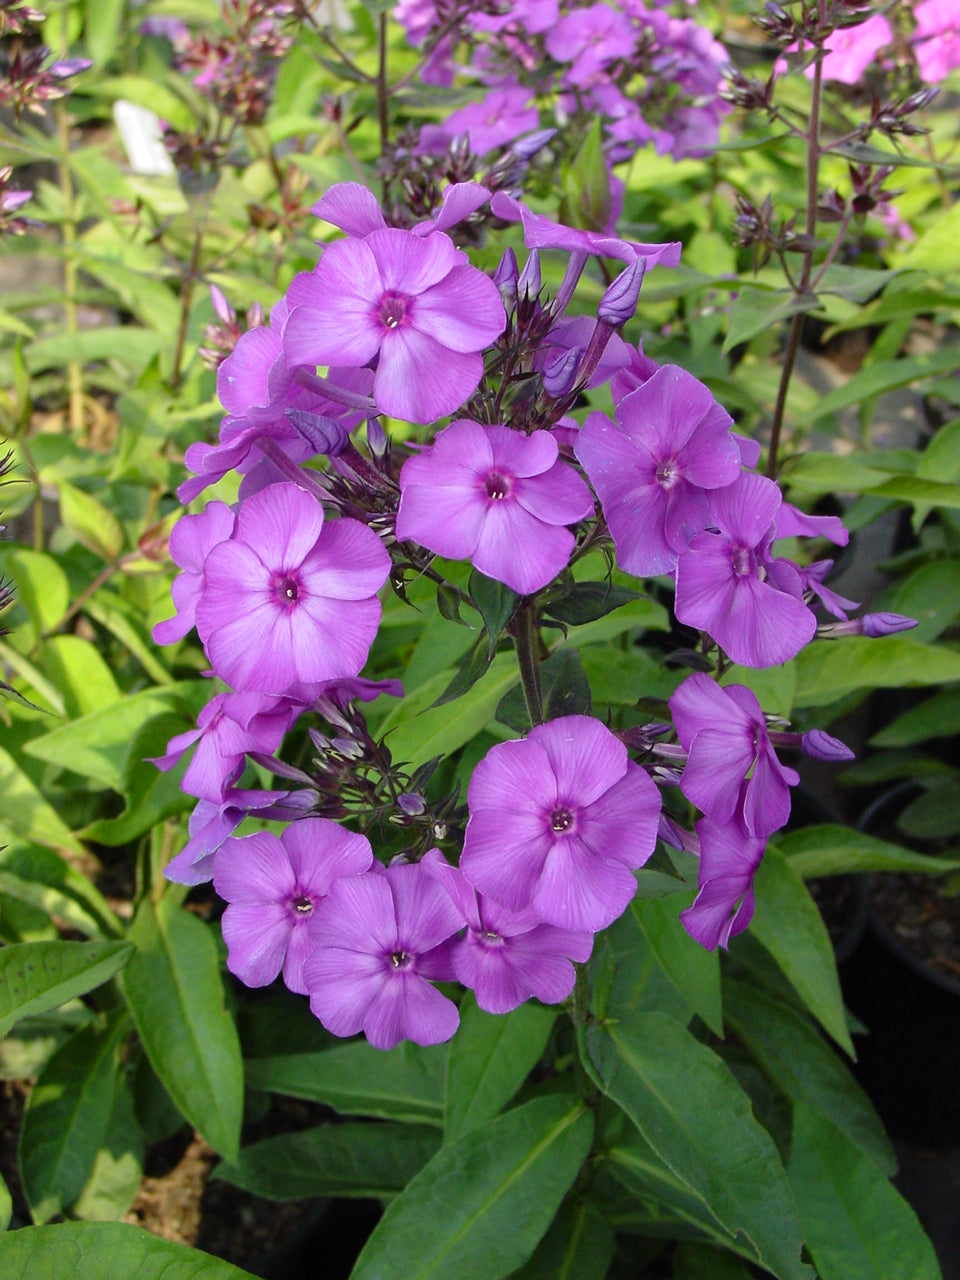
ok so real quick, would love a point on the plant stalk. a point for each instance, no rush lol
(526, 636)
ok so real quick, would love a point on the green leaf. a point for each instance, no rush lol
(917, 491)
(586, 185)
(105, 1251)
(102, 24)
(6, 1206)
(694, 971)
(66, 1118)
(579, 1246)
(499, 1188)
(490, 1057)
(830, 850)
(643, 614)
(366, 1160)
(126, 623)
(77, 668)
(703, 1262)
(132, 347)
(798, 1060)
(173, 987)
(755, 310)
(405, 1083)
(564, 690)
(828, 671)
(937, 717)
(813, 472)
(91, 523)
(857, 1226)
(496, 604)
(37, 976)
(588, 601)
(27, 671)
(474, 665)
(788, 925)
(935, 815)
(931, 594)
(118, 1167)
(25, 811)
(45, 880)
(42, 587)
(886, 375)
(693, 1113)
(416, 731)
(937, 249)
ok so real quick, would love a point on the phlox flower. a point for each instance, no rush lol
(505, 956)
(540, 232)
(290, 599)
(378, 940)
(937, 38)
(558, 822)
(191, 539)
(412, 302)
(496, 497)
(273, 887)
(729, 858)
(671, 443)
(722, 580)
(724, 732)
(211, 823)
(497, 120)
(589, 39)
(849, 50)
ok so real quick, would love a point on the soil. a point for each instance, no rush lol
(921, 917)
(837, 902)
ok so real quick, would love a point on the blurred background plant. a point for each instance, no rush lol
(158, 163)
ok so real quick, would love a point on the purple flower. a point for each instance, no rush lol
(937, 39)
(724, 732)
(589, 39)
(495, 121)
(378, 939)
(507, 956)
(722, 584)
(273, 888)
(230, 725)
(540, 232)
(558, 821)
(191, 540)
(729, 858)
(671, 443)
(414, 302)
(496, 497)
(210, 824)
(290, 599)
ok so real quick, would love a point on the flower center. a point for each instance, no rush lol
(742, 561)
(561, 820)
(498, 486)
(302, 905)
(668, 473)
(393, 309)
(287, 588)
(401, 960)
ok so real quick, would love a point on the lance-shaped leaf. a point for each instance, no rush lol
(482, 1204)
(490, 1057)
(693, 1113)
(368, 1160)
(37, 976)
(105, 1251)
(694, 971)
(175, 993)
(579, 1246)
(118, 1167)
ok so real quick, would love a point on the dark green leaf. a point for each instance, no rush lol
(856, 1224)
(834, 850)
(802, 1064)
(588, 601)
(175, 993)
(448, 602)
(937, 717)
(366, 1160)
(579, 1246)
(490, 1057)
(471, 668)
(704, 1262)
(66, 1118)
(934, 815)
(694, 971)
(687, 1105)
(481, 1205)
(105, 1251)
(495, 603)
(118, 1168)
(37, 976)
(405, 1083)
(564, 690)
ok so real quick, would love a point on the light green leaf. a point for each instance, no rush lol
(45, 880)
(66, 1118)
(828, 670)
(118, 1167)
(800, 1062)
(124, 622)
(856, 1224)
(787, 924)
(919, 492)
(687, 1105)
(173, 987)
(365, 1160)
(499, 1188)
(76, 667)
(694, 970)
(885, 375)
(25, 811)
(813, 472)
(105, 1251)
(937, 717)
(132, 347)
(755, 310)
(42, 586)
(91, 523)
(37, 976)
(102, 23)
(405, 1083)
(937, 249)
(490, 1057)
(6, 1206)
(830, 850)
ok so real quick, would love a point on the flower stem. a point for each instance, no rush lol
(526, 638)
(186, 297)
(69, 233)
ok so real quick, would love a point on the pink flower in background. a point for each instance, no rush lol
(937, 38)
(849, 50)
(496, 121)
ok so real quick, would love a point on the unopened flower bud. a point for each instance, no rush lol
(619, 303)
(820, 746)
(376, 437)
(411, 804)
(885, 624)
(323, 434)
(528, 286)
(560, 375)
(506, 276)
(527, 147)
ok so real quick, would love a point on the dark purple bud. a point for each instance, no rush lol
(324, 435)
(527, 147)
(560, 375)
(820, 746)
(885, 624)
(349, 749)
(376, 437)
(619, 303)
(528, 286)
(506, 276)
(412, 804)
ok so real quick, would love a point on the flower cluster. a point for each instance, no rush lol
(506, 893)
